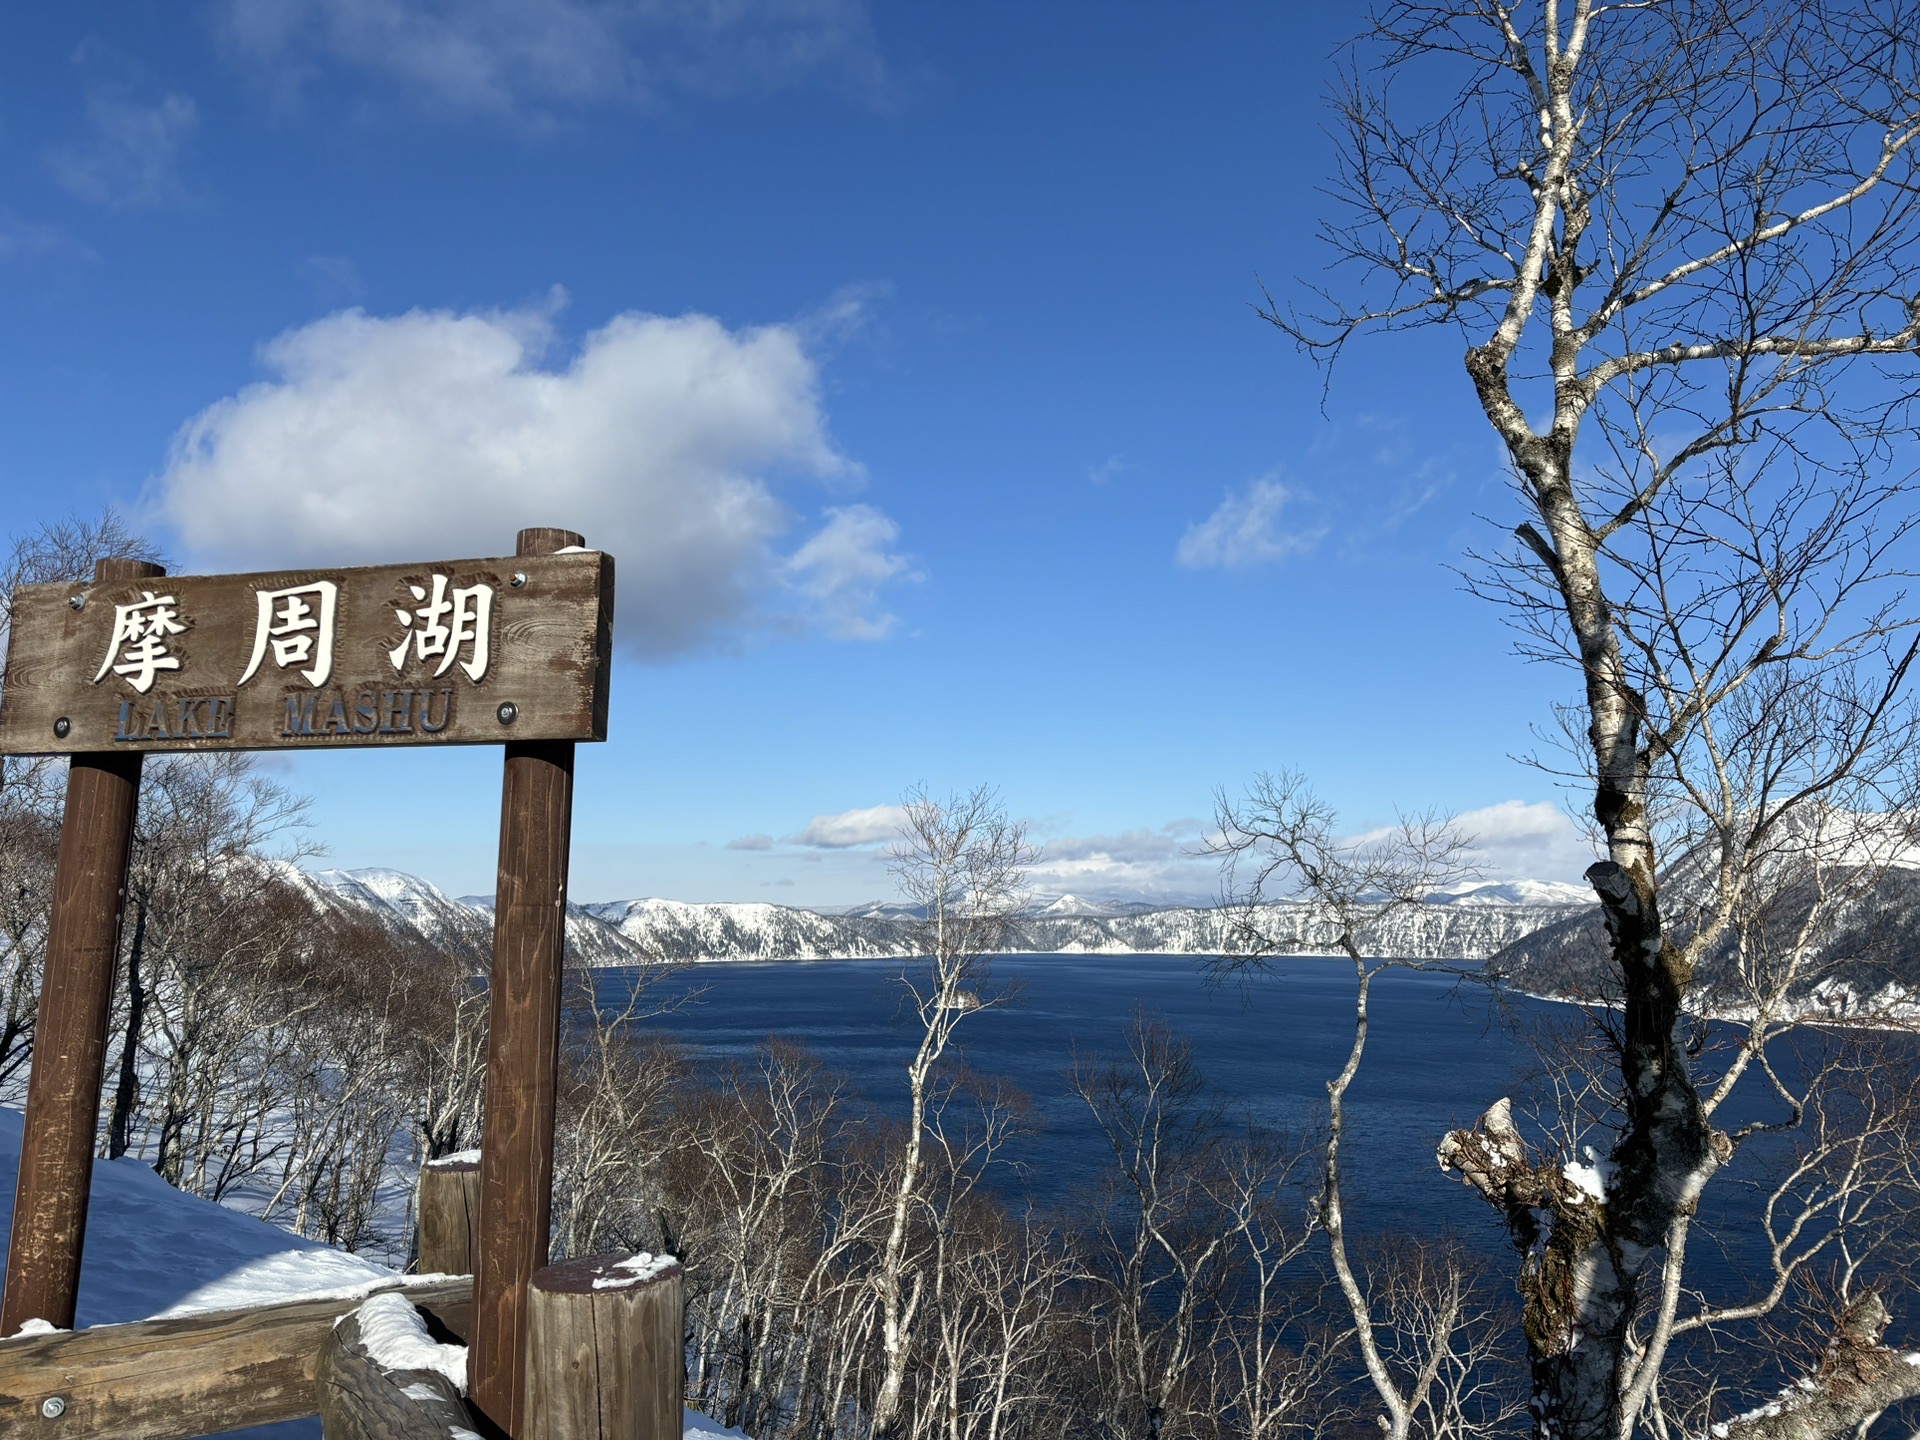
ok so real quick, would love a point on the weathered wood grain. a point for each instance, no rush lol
(523, 1048)
(448, 1204)
(198, 1375)
(70, 1036)
(221, 685)
(604, 1352)
(360, 1400)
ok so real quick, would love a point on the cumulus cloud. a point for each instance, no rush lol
(843, 566)
(870, 826)
(1245, 531)
(507, 55)
(1163, 865)
(130, 153)
(439, 434)
(751, 842)
(1518, 841)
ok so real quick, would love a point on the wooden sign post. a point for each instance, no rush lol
(523, 1055)
(70, 1033)
(511, 652)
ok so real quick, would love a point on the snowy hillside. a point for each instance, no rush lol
(1865, 961)
(153, 1251)
(1468, 923)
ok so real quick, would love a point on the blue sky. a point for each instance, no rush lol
(905, 357)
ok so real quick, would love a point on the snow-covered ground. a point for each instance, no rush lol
(153, 1251)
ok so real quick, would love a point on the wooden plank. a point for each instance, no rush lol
(457, 652)
(523, 1049)
(70, 1035)
(360, 1399)
(448, 1204)
(605, 1351)
(197, 1375)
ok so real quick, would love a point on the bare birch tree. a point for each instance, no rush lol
(961, 864)
(1421, 1337)
(1679, 239)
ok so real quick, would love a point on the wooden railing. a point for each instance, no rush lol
(197, 1375)
(603, 1356)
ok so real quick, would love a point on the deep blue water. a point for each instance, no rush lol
(1436, 1058)
(1439, 1054)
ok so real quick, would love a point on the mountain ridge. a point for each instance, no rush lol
(1467, 924)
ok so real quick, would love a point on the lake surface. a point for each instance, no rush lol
(1439, 1053)
(1437, 1057)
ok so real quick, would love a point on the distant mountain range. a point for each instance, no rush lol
(1466, 923)
(1541, 937)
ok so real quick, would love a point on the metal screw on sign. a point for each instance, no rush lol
(63, 727)
(508, 712)
(53, 1407)
(518, 581)
(76, 602)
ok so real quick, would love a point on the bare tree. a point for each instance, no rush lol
(1280, 842)
(29, 789)
(1679, 241)
(1158, 1258)
(961, 864)
(29, 838)
(66, 550)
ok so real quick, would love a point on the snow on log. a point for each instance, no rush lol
(382, 1376)
(1858, 1378)
(190, 1375)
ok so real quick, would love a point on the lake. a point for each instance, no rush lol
(1438, 1054)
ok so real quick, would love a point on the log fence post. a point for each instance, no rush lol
(447, 1208)
(70, 1034)
(605, 1356)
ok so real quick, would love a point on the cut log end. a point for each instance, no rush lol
(604, 1349)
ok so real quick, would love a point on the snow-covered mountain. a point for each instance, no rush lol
(1512, 892)
(677, 930)
(1464, 925)
(1865, 957)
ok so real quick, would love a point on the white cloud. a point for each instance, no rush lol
(504, 55)
(29, 239)
(438, 434)
(1164, 865)
(751, 842)
(870, 826)
(1244, 531)
(1518, 841)
(130, 152)
(840, 570)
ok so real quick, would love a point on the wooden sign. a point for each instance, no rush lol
(457, 652)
